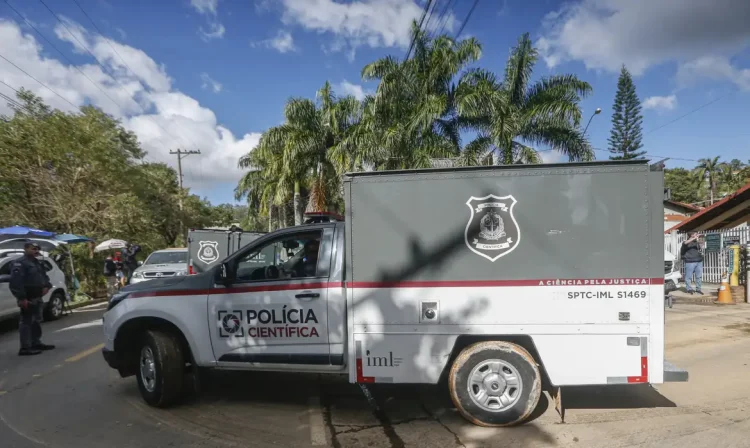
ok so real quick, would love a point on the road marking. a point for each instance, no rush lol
(24, 435)
(85, 353)
(317, 426)
(93, 323)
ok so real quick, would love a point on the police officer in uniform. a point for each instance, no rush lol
(29, 283)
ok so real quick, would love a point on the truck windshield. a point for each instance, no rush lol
(167, 258)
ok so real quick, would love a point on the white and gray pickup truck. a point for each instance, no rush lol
(498, 281)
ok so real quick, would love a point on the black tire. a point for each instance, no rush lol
(510, 354)
(169, 369)
(54, 307)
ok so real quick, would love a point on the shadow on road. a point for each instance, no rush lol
(626, 396)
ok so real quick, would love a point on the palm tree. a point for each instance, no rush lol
(305, 151)
(732, 175)
(412, 118)
(709, 169)
(513, 111)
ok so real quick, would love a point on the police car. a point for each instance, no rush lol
(55, 298)
(160, 264)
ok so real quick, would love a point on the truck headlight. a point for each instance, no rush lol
(181, 273)
(137, 274)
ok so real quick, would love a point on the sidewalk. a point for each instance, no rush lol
(710, 294)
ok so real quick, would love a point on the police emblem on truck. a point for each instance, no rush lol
(208, 252)
(492, 230)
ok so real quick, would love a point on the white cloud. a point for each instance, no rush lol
(604, 34)
(716, 68)
(660, 103)
(346, 88)
(282, 42)
(209, 82)
(209, 8)
(144, 100)
(376, 23)
(205, 6)
(552, 156)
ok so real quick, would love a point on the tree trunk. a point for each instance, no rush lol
(297, 205)
(270, 215)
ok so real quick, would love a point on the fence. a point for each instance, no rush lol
(716, 257)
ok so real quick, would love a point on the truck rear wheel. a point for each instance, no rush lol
(495, 383)
(161, 369)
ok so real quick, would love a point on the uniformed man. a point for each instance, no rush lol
(29, 283)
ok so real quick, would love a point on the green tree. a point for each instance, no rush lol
(514, 113)
(709, 170)
(303, 154)
(626, 134)
(684, 184)
(413, 118)
(732, 176)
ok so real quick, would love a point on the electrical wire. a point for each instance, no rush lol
(468, 16)
(40, 82)
(444, 16)
(62, 54)
(689, 113)
(107, 71)
(419, 27)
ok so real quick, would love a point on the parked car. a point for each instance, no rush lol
(161, 264)
(54, 299)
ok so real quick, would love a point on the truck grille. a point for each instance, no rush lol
(667, 267)
(158, 274)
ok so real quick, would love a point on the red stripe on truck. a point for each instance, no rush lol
(506, 283)
(405, 284)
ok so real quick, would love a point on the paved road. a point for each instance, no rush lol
(70, 398)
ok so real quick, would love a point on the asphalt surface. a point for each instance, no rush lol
(69, 397)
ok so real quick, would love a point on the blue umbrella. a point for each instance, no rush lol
(72, 239)
(26, 231)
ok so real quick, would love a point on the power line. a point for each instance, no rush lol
(689, 113)
(444, 15)
(419, 27)
(40, 82)
(468, 16)
(430, 15)
(103, 67)
(62, 54)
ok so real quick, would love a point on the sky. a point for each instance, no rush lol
(212, 75)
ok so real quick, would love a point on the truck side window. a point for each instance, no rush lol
(291, 256)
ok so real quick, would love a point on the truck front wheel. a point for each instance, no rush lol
(161, 368)
(495, 383)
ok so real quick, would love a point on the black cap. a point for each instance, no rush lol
(31, 244)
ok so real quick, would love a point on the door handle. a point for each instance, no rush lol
(307, 295)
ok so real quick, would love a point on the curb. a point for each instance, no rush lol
(72, 306)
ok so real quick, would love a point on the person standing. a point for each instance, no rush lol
(130, 262)
(110, 274)
(693, 258)
(29, 284)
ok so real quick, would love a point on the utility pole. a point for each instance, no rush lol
(181, 155)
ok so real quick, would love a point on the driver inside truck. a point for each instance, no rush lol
(309, 262)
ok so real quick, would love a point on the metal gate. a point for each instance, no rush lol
(715, 259)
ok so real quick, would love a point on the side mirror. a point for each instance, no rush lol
(4, 278)
(226, 274)
(140, 263)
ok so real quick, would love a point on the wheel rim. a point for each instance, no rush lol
(56, 306)
(148, 369)
(495, 385)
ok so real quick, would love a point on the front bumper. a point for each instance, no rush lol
(115, 361)
(112, 359)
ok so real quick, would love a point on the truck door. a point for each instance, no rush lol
(275, 311)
